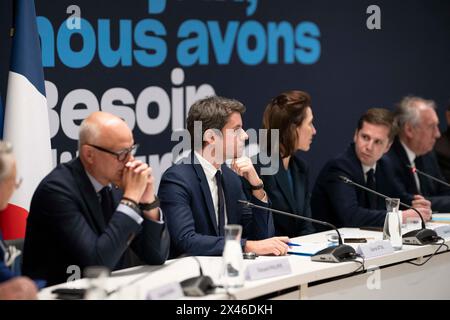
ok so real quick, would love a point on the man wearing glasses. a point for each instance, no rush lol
(98, 209)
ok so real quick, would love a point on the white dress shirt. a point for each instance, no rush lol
(210, 173)
(412, 157)
(367, 168)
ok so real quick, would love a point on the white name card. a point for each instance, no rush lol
(268, 269)
(375, 249)
(170, 291)
(442, 230)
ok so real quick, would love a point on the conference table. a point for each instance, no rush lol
(390, 276)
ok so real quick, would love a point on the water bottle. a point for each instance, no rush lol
(233, 261)
(392, 230)
(96, 277)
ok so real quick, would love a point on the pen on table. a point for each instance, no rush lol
(291, 244)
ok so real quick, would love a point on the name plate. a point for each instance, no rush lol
(375, 249)
(442, 230)
(170, 291)
(268, 269)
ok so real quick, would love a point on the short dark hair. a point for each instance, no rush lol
(213, 112)
(285, 113)
(379, 116)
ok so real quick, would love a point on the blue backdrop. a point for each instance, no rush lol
(148, 60)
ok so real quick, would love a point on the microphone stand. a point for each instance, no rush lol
(414, 170)
(339, 253)
(415, 237)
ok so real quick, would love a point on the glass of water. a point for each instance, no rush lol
(233, 261)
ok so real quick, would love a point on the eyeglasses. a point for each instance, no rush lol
(18, 183)
(121, 155)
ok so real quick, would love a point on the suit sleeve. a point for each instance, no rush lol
(440, 201)
(308, 213)
(307, 206)
(63, 216)
(257, 223)
(344, 200)
(152, 244)
(176, 197)
(5, 273)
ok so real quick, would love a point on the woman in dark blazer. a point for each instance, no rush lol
(288, 187)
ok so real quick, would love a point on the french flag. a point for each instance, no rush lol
(26, 123)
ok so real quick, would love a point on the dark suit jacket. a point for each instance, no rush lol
(345, 205)
(438, 194)
(442, 150)
(282, 198)
(189, 211)
(66, 227)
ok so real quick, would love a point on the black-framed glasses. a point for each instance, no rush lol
(121, 155)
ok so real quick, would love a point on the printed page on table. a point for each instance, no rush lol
(306, 248)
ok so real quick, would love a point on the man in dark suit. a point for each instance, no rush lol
(418, 130)
(200, 195)
(95, 208)
(442, 148)
(12, 286)
(345, 205)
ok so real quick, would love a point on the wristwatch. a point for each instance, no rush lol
(257, 187)
(149, 206)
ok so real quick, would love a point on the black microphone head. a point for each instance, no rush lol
(345, 179)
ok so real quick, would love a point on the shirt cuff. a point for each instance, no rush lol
(265, 199)
(161, 220)
(130, 212)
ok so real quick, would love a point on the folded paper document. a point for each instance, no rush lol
(442, 229)
(306, 249)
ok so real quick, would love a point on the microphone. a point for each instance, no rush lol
(197, 286)
(415, 237)
(339, 253)
(415, 170)
(192, 287)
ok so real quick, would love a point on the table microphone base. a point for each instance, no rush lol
(339, 253)
(197, 286)
(420, 237)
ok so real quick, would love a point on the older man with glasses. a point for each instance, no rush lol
(98, 209)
